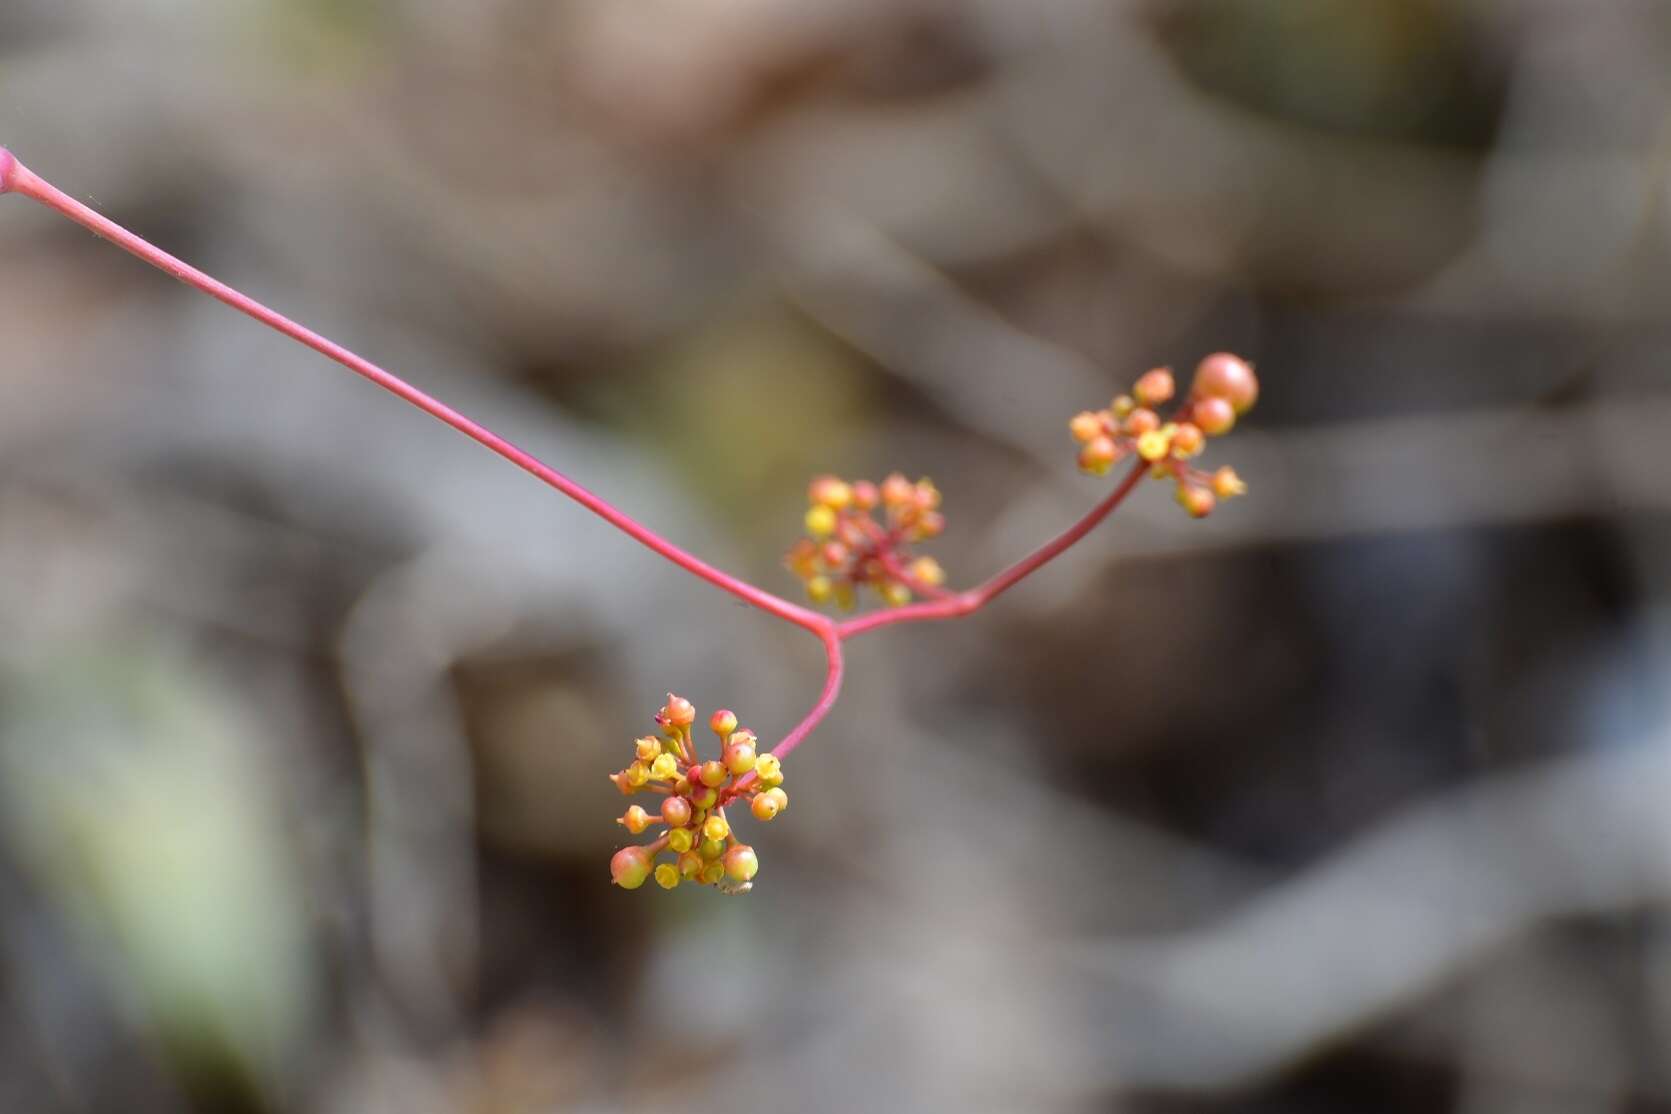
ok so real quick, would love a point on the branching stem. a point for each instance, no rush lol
(16, 178)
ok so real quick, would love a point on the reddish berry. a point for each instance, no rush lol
(1141, 421)
(1197, 500)
(1188, 440)
(1214, 415)
(1155, 387)
(1099, 455)
(1229, 377)
(1085, 426)
(630, 867)
(679, 712)
(676, 812)
(723, 722)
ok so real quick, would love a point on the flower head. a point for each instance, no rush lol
(1224, 388)
(848, 548)
(696, 833)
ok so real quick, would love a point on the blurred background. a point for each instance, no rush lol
(1355, 797)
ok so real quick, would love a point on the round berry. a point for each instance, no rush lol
(741, 863)
(679, 711)
(1214, 415)
(723, 722)
(1155, 387)
(676, 812)
(1098, 455)
(763, 807)
(630, 867)
(739, 758)
(1229, 377)
(1197, 500)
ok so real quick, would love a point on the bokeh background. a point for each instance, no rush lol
(1355, 797)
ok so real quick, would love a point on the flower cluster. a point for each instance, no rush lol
(1224, 388)
(695, 829)
(846, 548)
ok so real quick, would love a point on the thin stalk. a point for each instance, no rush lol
(15, 177)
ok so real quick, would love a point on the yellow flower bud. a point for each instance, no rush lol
(716, 828)
(667, 876)
(1154, 445)
(820, 521)
(680, 840)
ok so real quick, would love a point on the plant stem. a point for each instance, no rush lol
(963, 603)
(15, 177)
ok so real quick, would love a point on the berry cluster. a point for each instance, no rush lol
(846, 548)
(1224, 387)
(694, 795)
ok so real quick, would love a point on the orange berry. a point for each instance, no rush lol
(1155, 387)
(1141, 421)
(1197, 500)
(1098, 456)
(675, 811)
(635, 820)
(679, 712)
(630, 867)
(741, 863)
(865, 495)
(1188, 440)
(897, 491)
(1227, 485)
(763, 806)
(831, 492)
(1214, 415)
(779, 796)
(1085, 426)
(1229, 377)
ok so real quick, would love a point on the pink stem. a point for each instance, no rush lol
(15, 177)
(963, 603)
